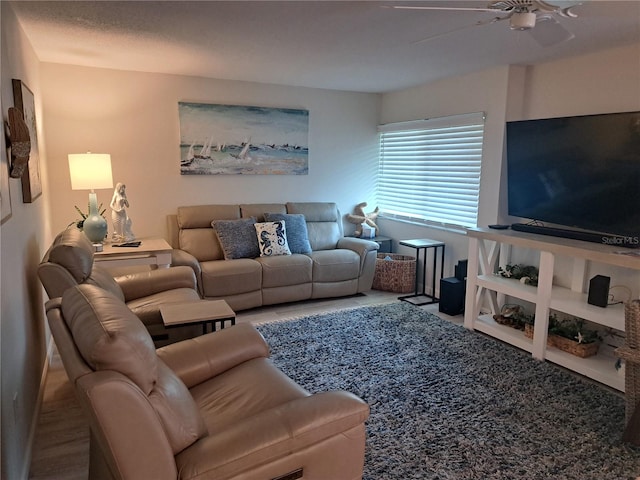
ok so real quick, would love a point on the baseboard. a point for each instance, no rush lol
(36, 414)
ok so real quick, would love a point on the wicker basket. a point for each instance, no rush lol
(631, 354)
(395, 275)
(632, 323)
(582, 350)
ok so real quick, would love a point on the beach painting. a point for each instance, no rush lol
(243, 140)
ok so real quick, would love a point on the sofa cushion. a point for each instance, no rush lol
(243, 391)
(110, 337)
(272, 238)
(285, 270)
(335, 265)
(202, 243)
(177, 410)
(100, 277)
(237, 238)
(147, 308)
(231, 277)
(257, 210)
(324, 225)
(195, 233)
(72, 250)
(200, 216)
(297, 235)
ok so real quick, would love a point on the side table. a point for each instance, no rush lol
(152, 251)
(424, 244)
(204, 312)
(383, 242)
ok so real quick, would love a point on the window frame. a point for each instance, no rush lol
(464, 141)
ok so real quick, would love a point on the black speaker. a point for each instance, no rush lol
(599, 291)
(461, 269)
(452, 292)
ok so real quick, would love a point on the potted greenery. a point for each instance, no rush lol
(570, 335)
(513, 315)
(80, 223)
(527, 274)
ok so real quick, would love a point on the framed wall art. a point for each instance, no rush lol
(246, 140)
(24, 100)
(5, 196)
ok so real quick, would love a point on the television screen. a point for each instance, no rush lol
(581, 172)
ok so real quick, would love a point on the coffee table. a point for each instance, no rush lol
(205, 312)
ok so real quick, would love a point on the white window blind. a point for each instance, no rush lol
(430, 169)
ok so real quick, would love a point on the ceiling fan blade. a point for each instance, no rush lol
(542, 6)
(466, 27)
(549, 31)
(459, 9)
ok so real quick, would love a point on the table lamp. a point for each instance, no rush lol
(90, 171)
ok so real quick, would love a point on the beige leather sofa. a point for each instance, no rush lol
(212, 407)
(336, 265)
(69, 262)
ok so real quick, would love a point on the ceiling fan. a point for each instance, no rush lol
(535, 16)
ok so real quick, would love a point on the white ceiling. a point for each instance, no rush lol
(344, 45)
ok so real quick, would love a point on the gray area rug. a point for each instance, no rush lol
(447, 403)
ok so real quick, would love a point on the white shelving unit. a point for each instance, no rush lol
(490, 248)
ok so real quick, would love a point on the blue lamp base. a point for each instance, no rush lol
(94, 226)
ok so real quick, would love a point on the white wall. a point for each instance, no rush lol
(24, 237)
(134, 117)
(478, 92)
(607, 81)
(602, 82)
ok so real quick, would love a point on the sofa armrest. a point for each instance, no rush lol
(201, 358)
(359, 245)
(143, 284)
(273, 434)
(182, 258)
(132, 440)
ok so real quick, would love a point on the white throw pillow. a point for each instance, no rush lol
(272, 238)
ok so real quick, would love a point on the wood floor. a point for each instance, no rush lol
(61, 449)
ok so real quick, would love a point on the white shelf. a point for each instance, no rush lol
(487, 248)
(575, 303)
(486, 324)
(600, 367)
(509, 287)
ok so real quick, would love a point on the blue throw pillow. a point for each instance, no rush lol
(297, 234)
(237, 238)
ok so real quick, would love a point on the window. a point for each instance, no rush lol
(430, 170)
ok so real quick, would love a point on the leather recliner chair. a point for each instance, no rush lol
(69, 262)
(211, 407)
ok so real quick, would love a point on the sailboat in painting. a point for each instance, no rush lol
(190, 156)
(243, 155)
(205, 151)
(243, 140)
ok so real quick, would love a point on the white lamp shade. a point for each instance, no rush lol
(90, 171)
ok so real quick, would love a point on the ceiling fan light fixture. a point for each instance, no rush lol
(522, 21)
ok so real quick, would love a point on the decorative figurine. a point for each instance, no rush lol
(359, 218)
(121, 221)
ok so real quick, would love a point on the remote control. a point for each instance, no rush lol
(129, 244)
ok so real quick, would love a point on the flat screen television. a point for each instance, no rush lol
(580, 172)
